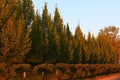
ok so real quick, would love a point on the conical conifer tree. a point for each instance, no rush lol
(79, 44)
(36, 35)
(58, 24)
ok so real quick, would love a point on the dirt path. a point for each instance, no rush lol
(115, 76)
(109, 77)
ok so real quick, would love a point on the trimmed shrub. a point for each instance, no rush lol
(44, 68)
(63, 67)
(81, 73)
(51, 68)
(78, 66)
(72, 68)
(4, 68)
(18, 69)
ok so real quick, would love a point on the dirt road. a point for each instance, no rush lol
(109, 77)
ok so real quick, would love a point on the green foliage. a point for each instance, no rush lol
(28, 37)
(44, 38)
(79, 43)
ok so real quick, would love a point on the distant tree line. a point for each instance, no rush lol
(27, 36)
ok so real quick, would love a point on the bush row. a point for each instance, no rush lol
(77, 70)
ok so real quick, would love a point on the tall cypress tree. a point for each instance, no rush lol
(58, 24)
(79, 46)
(56, 45)
(91, 44)
(69, 43)
(88, 49)
(36, 35)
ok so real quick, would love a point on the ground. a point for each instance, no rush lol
(115, 76)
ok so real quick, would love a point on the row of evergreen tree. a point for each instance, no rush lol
(26, 36)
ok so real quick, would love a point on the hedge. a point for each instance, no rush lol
(80, 70)
(76, 70)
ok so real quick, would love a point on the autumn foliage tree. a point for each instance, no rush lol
(15, 39)
(112, 35)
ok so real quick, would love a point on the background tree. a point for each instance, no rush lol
(107, 51)
(112, 34)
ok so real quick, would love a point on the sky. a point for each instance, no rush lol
(91, 15)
